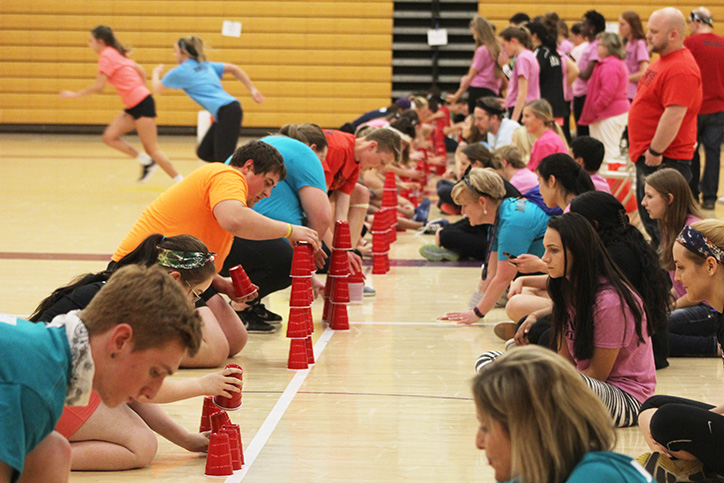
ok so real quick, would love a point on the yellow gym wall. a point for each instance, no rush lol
(323, 61)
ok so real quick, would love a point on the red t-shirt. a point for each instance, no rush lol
(672, 80)
(341, 171)
(708, 51)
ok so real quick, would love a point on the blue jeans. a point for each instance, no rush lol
(710, 134)
(692, 332)
(683, 166)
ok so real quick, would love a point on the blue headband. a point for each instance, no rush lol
(698, 243)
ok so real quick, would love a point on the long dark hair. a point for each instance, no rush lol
(572, 178)
(144, 254)
(609, 219)
(106, 35)
(590, 270)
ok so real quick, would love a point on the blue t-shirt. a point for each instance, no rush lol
(521, 226)
(36, 365)
(202, 82)
(606, 467)
(303, 169)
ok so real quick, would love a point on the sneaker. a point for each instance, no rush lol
(265, 314)
(449, 255)
(708, 204)
(505, 330)
(253, 324)
(486, 358)
(368, 291)
(500, 304)
(422, 211)
(509, 344)
(434, 226)
(449, 209)
(431, 252)
(664, 470)
(147, 170)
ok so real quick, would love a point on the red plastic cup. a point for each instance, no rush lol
(340, 320)
(302, 263)
(340, 295)
(234, 402)
(242, 284)
(207, 410)
(234, 446)
(310, 350)
(342, 239)
(297, 325)
(237, 430)
(218, 420)
(339, 265)
(301, 293)
(297, 355)
(218, 459)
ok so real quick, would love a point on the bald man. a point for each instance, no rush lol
(708, 51)
(662, 119)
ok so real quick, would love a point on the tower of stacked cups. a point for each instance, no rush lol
(384, 227)
(301, 326)
(336, 290)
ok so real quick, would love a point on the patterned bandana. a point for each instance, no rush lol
(184, 260)
(696, 242)
(81, 377)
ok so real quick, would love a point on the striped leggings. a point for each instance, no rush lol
(623, 407)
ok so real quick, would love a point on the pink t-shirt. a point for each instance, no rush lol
(600, 183)
(123, 76)
(614, 327)
(484, 63)
(679, 289)
(636, 52)
(526, 65)
(590, 53)
(524, 180)
(549, 143)
(606, 91)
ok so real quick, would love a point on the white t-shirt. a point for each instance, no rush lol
(505, 134)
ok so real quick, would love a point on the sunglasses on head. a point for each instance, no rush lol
(695, 17)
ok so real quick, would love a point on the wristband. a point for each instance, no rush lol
(477, 312)
(289, 233)
(655, 153)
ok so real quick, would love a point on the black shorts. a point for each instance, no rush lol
(145, 108)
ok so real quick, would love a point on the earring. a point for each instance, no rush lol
(113, 355)
(485, 211)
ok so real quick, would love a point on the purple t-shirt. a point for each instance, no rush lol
(636, 52)
(549, 143)
(590, 53)
(614, 327)
(600, 183)
(484, 63)
(524, 180)
(526, 65)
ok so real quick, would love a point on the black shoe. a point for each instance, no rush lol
(265, 314)
(253, 324)
(147, 170)
(708, 204)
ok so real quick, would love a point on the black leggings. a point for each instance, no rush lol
(220, 141)
(684, 425)
(578, 103)
(267, 262)
(469, 241)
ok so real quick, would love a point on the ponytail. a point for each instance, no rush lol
(105, 34)
(193, 47)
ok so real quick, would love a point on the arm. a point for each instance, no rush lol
(341, 205)
(666, 131)
(521, 335)
(141, 71)
(464, 84)
(244, 222)
(520, 100)
(96, 88)
(539, 282)
(161, 423)
(586, 74)
(571, 71)
(718, 409)
(156, 85)
(241, 76)
(601, 363)
(316, 205)
(527, 263)
(221, 383)
(636, 76)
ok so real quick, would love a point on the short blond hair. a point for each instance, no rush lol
(149, 300)
(483, 182)
(551, 416)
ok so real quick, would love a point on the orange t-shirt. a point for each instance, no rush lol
(187, 208)
(341, 171)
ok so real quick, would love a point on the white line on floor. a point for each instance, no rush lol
(270, 423)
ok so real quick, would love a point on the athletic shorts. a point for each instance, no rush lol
(74, 417)
(145, 108)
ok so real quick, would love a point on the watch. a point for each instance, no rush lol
(479, 314)
(655, 153)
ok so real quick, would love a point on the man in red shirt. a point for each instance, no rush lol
(708, 50)
(662, 119)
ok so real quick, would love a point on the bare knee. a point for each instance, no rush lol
(144, 447)
(360, 195)
(49, 461)
(109, 138)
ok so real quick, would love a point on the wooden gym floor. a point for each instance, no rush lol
(388, 400)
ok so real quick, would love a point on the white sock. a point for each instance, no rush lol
(144, 159)
(178, 178)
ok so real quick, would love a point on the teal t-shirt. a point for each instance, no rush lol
(34, 372)
(521, 226)
(202, 82)
(606, 467)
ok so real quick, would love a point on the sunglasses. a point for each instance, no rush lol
(695, 17)
(466, 179)
(197, 296)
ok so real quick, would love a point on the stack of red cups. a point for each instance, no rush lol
(336, 291)
(300, 327)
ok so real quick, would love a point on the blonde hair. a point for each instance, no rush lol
(542, 109)
(512, 154)
(192, 46)
(149, 300)
(419, 102)
(485, 35)
(524, 141)
(552, 418)
(713, 230)
(483, 182)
